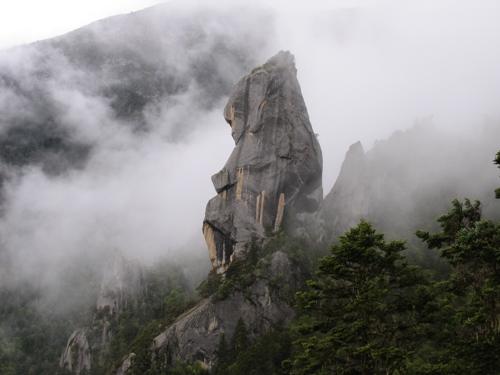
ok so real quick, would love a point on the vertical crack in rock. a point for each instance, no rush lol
(279, 212)
(272, 179)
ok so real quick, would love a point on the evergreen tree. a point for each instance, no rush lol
(472, 247)
(223, 356)
(360, 315)
(240, 341)
(264, 357)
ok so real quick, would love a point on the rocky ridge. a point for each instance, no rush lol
(404, 182)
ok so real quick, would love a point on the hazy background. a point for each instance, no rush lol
(140, 182)
(26, 21)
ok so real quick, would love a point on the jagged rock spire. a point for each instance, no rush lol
(272, 179)
(346, 204)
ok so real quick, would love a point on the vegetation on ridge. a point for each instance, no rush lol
(366, 310)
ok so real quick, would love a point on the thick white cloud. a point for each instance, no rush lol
(25, 21)
(367, 68)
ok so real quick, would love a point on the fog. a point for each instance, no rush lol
(140, 184)
(370, 70)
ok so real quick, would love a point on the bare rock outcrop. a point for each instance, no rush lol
(404, 182)
(120, 282)
(346, 203)
(195, 336)
(76, 357)
(272, 180)
(120, 285)
(126, 364)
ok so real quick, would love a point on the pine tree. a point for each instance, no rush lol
(359, 314)
(223, 356)
(472, 293)
(240, 341)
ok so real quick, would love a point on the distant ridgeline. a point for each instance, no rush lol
(405, 182)
(123, 70)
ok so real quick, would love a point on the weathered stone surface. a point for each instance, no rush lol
(404, 182)
(195, 336)
(272, 179)
(76, 357)
(121, 281)
(346, 203)
(126, 364)
(121, 284)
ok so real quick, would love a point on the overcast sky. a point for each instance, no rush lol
(397, 60)
(24, 21)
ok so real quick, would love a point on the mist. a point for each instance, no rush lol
(139, 179)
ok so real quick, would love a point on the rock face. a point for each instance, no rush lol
(346, 203)
(195, 336)
(120, 282)
(76, 358)
(272, 179)
(120, 285)
(126, 364)
(404, 182)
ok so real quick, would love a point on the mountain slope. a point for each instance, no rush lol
(405, 182)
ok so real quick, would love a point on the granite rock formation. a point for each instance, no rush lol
(76, 357)
(195, 336)
(404, 182)
(121, 284)
(346, 203)
(272, 180)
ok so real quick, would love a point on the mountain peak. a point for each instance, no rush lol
(273, 175)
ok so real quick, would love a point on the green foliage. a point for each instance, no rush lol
(365, 311)
(224, 354)
(360, 314)
(264, 356)
(239, 276)
(187, 369)
(472, 293)
(210, 285)
(240, 338)
(242, 273)
(31, 341)
(165, 297)
(462, 215)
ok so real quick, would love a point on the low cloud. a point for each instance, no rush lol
(145, 104)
